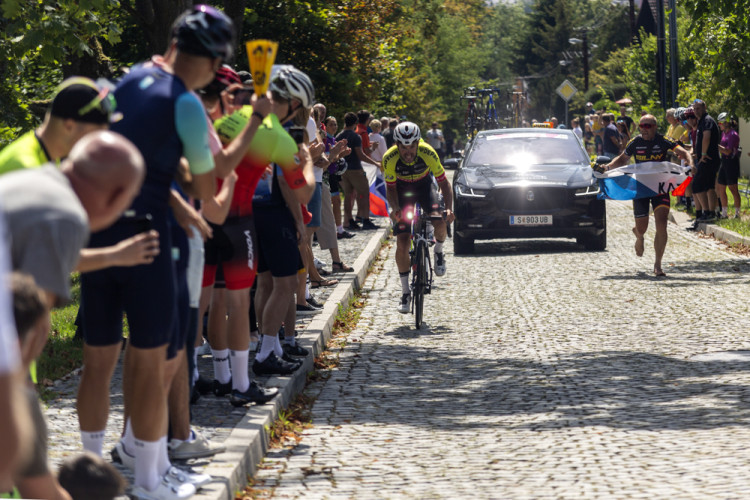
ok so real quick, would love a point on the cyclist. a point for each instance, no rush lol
(409, 167)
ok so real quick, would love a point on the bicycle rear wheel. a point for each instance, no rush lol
(420, 282)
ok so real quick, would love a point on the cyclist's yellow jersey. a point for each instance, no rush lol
(426, 163)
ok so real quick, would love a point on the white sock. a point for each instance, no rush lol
(267, 344)
(128, 439)
(221, 365)
(93, 441)
(277, 349)
(292, 340)
(439, 247)
(340, 229)
(307, 291)
(404, 282)
(146, 460)
(240, 377)
(163, 464)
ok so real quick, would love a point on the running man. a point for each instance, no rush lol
(647, 147)
(409, 168)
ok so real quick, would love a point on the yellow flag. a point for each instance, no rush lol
(261, 55)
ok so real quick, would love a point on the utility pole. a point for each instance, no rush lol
(674, 72)
(661, 54)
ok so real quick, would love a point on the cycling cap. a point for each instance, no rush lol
(81, 99)
(722, 117)
(205, 31)
(406, 133)
(291, 83)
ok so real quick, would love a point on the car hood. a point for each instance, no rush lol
(488, 177)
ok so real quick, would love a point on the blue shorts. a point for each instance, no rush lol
(147, 294)
(315, 204)
(277, 241)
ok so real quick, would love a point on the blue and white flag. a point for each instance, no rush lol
(641, 180)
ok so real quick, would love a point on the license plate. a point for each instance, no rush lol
(530, 220)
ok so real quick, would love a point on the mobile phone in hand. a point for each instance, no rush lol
(297, 133)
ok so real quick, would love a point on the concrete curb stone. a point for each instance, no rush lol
(248, 441)
(720, 233)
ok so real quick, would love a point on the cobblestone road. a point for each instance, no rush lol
(544, 371)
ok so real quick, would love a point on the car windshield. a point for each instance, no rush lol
(523, 150)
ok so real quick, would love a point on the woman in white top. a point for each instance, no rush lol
(377, 141)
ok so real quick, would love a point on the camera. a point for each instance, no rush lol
(242, 96)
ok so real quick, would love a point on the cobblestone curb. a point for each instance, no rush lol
(718, 232)
(248, 441)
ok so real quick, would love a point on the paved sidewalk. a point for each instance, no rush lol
(241, 430)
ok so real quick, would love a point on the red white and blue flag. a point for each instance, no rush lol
(378, 202)
(641, 180)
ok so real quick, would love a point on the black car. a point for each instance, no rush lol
(527, 183)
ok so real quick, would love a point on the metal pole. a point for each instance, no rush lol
(585, 62)
(566, 114)
(661, 51)
(633, 34)
(674, 72)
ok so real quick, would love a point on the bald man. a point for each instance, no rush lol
(50, 212)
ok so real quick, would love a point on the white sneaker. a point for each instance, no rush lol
(440, 264)
(179, 477)
(403, 306)
(121, 456)
(204, 349)
(165, 491)
(319, 264)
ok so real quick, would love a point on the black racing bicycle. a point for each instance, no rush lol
(421, 264)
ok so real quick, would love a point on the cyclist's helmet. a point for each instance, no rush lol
(722, 117)
(205, 31)
(291, 83)
(679, 113)
(406, 133)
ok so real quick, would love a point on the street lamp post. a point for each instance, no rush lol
(585, 55)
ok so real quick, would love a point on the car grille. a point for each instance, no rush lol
(545, 198)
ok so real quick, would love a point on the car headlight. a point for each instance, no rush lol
(591, 190)
(469, 192)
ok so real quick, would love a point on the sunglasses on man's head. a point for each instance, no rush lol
(646, 125)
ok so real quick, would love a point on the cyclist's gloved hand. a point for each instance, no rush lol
(597, 167)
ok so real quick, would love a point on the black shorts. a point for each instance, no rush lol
(423, 192)
(182, 313)
(233, 249)
(147, 293)
(705, 179)
(729, 172)
(277, 242)
(640, 205)
(333, 183)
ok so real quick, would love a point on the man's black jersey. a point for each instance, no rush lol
(653, 150)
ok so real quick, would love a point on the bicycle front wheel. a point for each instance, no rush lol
(420, 282)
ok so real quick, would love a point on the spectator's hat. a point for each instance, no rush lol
(82, 100)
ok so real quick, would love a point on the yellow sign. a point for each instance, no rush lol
(566, 90)
(261, 55)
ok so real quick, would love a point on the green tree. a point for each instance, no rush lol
(719, 46)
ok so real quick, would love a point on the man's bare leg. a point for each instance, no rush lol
(92, 402)
(660, 240)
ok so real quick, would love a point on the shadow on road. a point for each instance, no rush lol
(615, 389)
(693, 273)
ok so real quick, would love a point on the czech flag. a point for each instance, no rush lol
(641, 180)
(378, 201)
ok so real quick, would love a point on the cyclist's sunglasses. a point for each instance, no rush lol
(104, 102)
(646, 125)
